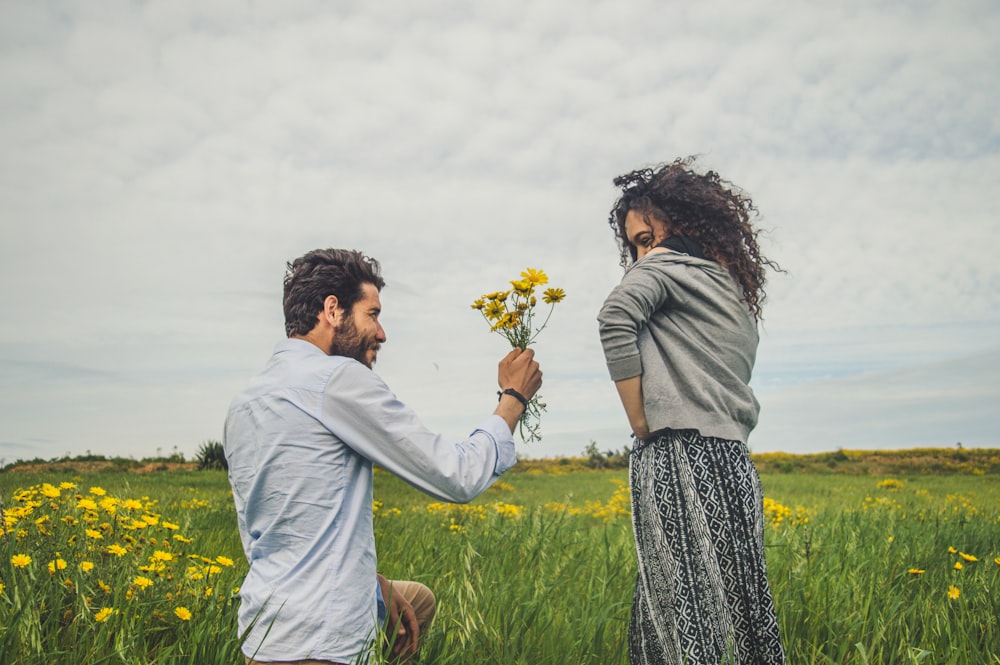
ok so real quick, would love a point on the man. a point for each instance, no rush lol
(301, 441)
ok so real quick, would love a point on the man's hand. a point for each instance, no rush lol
(518, 370)
(402, 629)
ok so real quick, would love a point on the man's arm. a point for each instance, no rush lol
(518, 370)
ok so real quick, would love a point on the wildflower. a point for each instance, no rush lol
(915, 571)
(997, 561)
(56, 564)
(967, 557)
(104, 586)
(98, 491)
(952, 550)
(183, 613)
(86, 566)
(86, 504)
(132, 504)
(522, 286)
(552, 296)
(103, 614)
(117, 550)
(214, 570)
(958, 565)
(224, 561)
(479, 304)
(181, 539)
(536, 277)
(67, 485)
(20, 560)
(142, 582)
(890, 539)
(50, 491)
(170, 525)
(954, 592)
(160, 555)
(2, 587)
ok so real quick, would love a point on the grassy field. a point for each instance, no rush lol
(117, 567)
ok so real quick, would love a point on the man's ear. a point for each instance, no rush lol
(332, 312)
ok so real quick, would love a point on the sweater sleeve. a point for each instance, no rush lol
(642, 291)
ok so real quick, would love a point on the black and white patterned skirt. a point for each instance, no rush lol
(701, 594)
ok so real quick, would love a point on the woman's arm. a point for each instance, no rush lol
(630, 392)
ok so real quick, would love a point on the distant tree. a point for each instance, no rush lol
(211, 455)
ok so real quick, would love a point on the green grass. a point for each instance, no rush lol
(538, 570)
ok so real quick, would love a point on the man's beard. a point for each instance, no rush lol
(349, 343)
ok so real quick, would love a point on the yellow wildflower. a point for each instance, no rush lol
(86, 566)
(967, 557)
(479, 304)
(224, 560)
(93, 533)
(117, 550)
(954, 592)
(181, 539)
(2, 587)
(958, 565)
(494, 310)
(952, 550)
(170, 525)
(103, 614)
(132, 504)
(106, 588)
(536, 277)
(98, 491)
(142, 582)
(67, 485)
(86, 504)
(915, 571)
(50, 491)
(522, 286)
(56, 564)
(20, 560)
(551, 296)
(160, 555)
(997, 561)
(183, 613)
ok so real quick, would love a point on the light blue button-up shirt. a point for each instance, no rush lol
(301, 441)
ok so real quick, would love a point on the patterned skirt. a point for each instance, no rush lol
(701, 595)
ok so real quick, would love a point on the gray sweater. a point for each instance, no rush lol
(680, 322)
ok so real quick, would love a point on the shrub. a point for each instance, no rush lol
(211, 455)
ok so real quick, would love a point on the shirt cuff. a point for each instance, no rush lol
(625, 368)
(496, 428)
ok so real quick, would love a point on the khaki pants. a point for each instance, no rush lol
(424, 606)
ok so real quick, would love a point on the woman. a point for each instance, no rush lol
(680, 337)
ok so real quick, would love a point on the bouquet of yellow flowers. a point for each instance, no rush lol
(511, 313)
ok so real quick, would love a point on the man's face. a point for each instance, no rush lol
(360, 334)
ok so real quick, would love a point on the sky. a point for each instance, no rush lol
(161, 161)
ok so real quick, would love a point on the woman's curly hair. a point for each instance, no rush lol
(702, 207)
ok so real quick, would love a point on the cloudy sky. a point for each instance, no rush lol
(160, 162)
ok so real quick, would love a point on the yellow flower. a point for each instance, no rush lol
(967, 557)
(915, 571)
(522, 286)
(224, 560)
(20, 560)
(997, 561)
(86, 566)
(98, 491)
(67, 486)
(142, 582)
(93, 533)
(104, 586)
(117, 550)
(954, 592)
(50, 491)
(479, 304)
(536, 277)
(132, 504)
(2, 587)
(160, 555)
(952, 550)
(181, 539)
(553, 296)
(183, 613)
(103, 614)
(494, 310)
(56, 564)
(958, 565)
(86, 504)
(170, 525)
(890, 539)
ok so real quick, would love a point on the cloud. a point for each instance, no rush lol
(162, 161)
